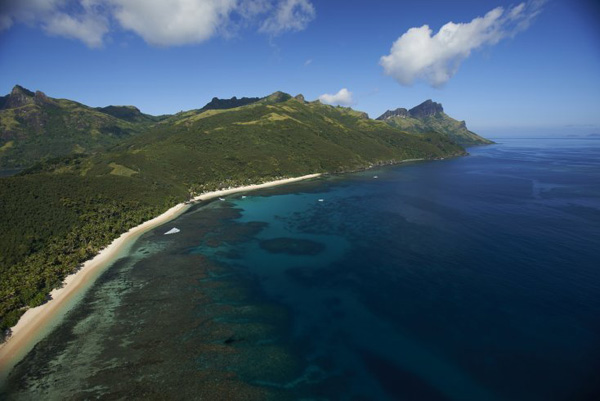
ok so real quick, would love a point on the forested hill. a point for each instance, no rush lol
(35, 127)
(62, 211)
(277, 136)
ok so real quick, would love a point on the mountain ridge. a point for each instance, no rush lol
(35, 127)
(429, 116)
(217, 104)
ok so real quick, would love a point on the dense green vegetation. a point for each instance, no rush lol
(35, 127)
(51, 223)
(215, 148)
(60, 212)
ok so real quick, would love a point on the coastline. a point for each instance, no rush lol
(39, 321)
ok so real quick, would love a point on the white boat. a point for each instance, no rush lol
(172, 231)
(375, 176)
(221, 199)
(243, 196)
(320, 200)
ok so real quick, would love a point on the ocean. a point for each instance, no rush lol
(473, 278)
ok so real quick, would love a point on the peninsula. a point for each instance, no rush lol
(119, 168)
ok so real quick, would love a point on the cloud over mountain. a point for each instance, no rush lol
(343, 97)
(420, 55)
(158, 22)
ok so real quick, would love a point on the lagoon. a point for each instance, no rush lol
(468, 278)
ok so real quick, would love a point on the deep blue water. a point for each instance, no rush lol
(475, 278)
(471, 278)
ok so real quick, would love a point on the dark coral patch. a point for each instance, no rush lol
(292, 246)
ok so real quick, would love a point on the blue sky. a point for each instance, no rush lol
(522, 70)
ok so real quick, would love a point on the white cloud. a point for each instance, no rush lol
(343, 97)
(87, 25)
(290, 15)
(82, 22)
(89, 29)
(172, 22)
(158, 22)
(418, 54)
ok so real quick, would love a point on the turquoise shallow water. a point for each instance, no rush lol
(466, 279)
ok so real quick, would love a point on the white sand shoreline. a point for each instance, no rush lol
(37, 322)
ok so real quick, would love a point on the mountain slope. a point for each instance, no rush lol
(430, 117)
(276, 136)
(62, 211)
(35, 127)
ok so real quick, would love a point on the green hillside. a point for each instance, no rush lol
(35, 127)
(430, 117)
(277, 136)
(60, 212)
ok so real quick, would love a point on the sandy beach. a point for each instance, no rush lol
(38, 322)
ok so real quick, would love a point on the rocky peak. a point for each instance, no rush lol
(300, 98)
(18, 97)
(18, 90)
(426, 109)
(41, 98)
(277, 97)
(401, 112)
